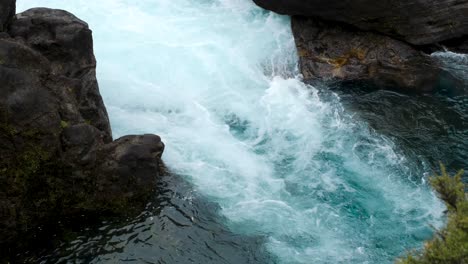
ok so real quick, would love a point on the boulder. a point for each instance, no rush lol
(7, 12)
(127, 170)
(329, 51)
(67, 43)
(415, 21)
(57, 157)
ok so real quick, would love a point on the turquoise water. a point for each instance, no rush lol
(281, 161)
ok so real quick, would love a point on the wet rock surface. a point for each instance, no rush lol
(334, 52)
(57, 156)
(386, 43)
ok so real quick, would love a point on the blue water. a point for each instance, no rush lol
(285, 167)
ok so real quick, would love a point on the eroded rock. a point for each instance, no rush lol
(329, 51)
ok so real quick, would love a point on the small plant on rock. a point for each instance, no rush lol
(449, 245)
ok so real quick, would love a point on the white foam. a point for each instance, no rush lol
(217, 79)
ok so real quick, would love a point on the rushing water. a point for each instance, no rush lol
(271, 170)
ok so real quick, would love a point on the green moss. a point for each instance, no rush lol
(63, 124)
(7, 130)
(449, 245)
(29, 175)
(42, 182)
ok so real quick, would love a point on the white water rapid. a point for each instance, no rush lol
(218, 81)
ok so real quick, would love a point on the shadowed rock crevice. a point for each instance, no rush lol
(7, 12)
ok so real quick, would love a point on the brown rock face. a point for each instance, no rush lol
(416, 21)
(329, 51)
(57, 156)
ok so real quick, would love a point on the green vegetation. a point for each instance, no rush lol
(64, 124)
(31, 178)
(449, 245)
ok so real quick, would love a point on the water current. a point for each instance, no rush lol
(268, 169)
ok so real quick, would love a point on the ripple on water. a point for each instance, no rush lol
(278, 168)
(178, 226)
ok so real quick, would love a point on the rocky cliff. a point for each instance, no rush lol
(384, 42)
(330, 51)
(415, 21)
(57, 156)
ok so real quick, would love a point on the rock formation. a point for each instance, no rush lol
(414, 21)
(329, 51)
(57, 156)
(7, 11)
(383, 42)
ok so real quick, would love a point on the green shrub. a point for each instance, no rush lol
(449, 245)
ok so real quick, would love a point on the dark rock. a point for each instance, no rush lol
(459, 45)
(7, 12)
(462, 48)
(127, 169)
(57, 157)
(415, 21)
(329, 51)
(67, 43)
(25, 103)
(81, 143)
